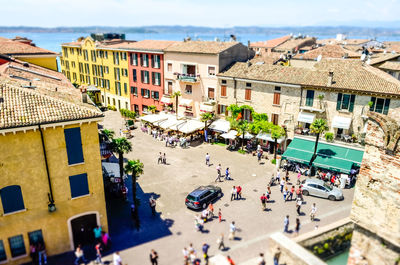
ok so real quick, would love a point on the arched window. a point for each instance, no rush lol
(11, 198)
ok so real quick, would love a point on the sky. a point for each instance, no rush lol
(211, 13)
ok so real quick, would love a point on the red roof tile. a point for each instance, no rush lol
(270, 43)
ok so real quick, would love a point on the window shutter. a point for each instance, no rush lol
(153, 78)
(73, 144)
(223, 91)
(142, 76)
(142, 92)
(79, 185)
(373, 99)
(339, 101)
(386, 107)
(219, 109)
(141, 59)
(226, 111)
(11, 198)
(352, 99)
(152, 60)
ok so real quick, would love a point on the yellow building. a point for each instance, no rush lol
(24, 50)
(51, 188)
(101, 64)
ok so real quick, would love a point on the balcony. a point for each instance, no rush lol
(312, 109)
(188, 78)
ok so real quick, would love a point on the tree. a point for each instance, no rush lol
(107, 135)
(176, 94)
(206, 117)
(121, 146)
(276, 133)
(135, 168)
(152, 108)
(242, 126)
(318, 127)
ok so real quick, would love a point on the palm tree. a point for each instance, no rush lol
(152, 108)
(176, 94)
(135, 167)
(206, 117)
(276, 133)
(121, 146)
(107, 135)
(318, 127)
(243, 127)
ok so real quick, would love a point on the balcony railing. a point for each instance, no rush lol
(187, 78)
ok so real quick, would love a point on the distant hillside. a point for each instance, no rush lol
(310, 30)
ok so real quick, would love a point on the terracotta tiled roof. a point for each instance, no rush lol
(293, 43)
(384, 57)
(267, 58)
(114, 44)
(25, 107)
(344, 42)
(270, 43)
(156, 45)
(328, 51)
(208, 47)
(388, 65)
(347, 75)
(10, 47)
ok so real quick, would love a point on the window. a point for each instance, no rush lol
(275, 118)
(17, 246)
(155, 95)
(116, 58)
(73, 64)
(156, 77)
(35, 237)
(11, 198)
(223, 82)
(247, 95)
(145, 60)
(211, 70)
(188, 89)
(278, 88)
(345, 102)
(145, 76)
(93, 56)
(106, 54)
(118, 88)
(380, 105)
(144, 108)
(3, 255)
(107, 83)
(106, 69)
(211, 93)
(134, 59)
(123, 56)
(79, 185)
(222, 109)
(134, 75)
(156, 61)
(169, 67)
(248, 84)
(71, 50)
(310, 98)
(223, 91)
(74, 76)
(117, 74)
(85, 55)
(125, 88)
(145, 93)
(65, 50)
(277, 98)
(246, 114)
(134, 90)
(169, 88)
(73, 144)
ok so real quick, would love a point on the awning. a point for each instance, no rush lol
(341, 122)
(229, 135)
(154, 117)
(166, 100)
(92, 88)
(206, 108)
(220, 125)
(248, 136)
(111, 169)
(171, 121)
(184, 102)
(188, 126)
(267, 137)
(331, 157)
(306, 117)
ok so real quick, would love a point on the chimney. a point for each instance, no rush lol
(248, 44)
(330, 78)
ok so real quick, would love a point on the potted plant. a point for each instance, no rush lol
(354, 138)
(329, 137)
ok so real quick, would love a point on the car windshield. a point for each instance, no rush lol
(191, 198)
(327, 187)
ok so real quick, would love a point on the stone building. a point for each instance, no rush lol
(334, 89)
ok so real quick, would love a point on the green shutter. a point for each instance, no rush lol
(339, 101)
(310, 98)
(386, 107)
(352, 99)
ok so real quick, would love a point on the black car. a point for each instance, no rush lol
(202, 196)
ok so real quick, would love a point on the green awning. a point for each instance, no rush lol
(329, 156)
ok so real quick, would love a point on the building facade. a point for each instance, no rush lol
(51, 190)
(101, 64)
(191, 68)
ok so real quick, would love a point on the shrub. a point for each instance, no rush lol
(273, 161)
(111, 107)
(242, 151)
(329, 137)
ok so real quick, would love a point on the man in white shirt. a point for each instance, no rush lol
(207, 159)
(117, 258)
(232, 231)
(313, 212)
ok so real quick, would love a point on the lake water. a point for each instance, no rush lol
(52, 41)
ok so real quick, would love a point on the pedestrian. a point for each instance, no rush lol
(233, 193)
(41, 248)
(117, 258)
(238, 192)
(287, 176)
(80, 256)
(259, 154)
(205, 252)
(277, 255)
(269, 190)
(261, 260)
(185, 253)
(298, 193)
(153, 257)
(232, 230)
(278, 174)
(227, 174)
(166, 141)
(277, 178)
(285, 193)
(262, 198)
(286, 224)
(33, 253)
(282, 184)
(298, 178)
(159, 158)
(97, 233)
(218, 173)
(105, 239)
(230, 260)
(164, 159)
(291, 193)
(152, 203)
(220, 242)
(297, 227)
(98, 253)
(313, 212)
(207, 159)
(219, 215)
(211, 210)
(298, 206)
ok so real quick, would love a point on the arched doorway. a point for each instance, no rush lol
(81, 229)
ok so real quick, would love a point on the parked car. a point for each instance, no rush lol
(319, 188)
(202, 196)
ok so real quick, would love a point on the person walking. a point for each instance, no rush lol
(98, 253)
(282, 184)
(166, 141)
(117, 258)
(152, 203)
(233, 193)
(291, 193)
(262, 198)
(153, 257)
(80, 256)
(207, 159)
(97, 233)
(159, 158)
(259, 154)
(219, 215)
(278, 174)
(232, 230)
(218, 173)
(269, 190)
(227, 174)
(261, 260)
(285, 193)
(205, 252)
(41, 248)
(231, 262)
(297, 227)
(220, 242)
(313, 212)
(298, 206)
(164, 159)
(277, 255)
(298, 193)
(185, 253)
(238, 192)
(286, 224)
(211, 210)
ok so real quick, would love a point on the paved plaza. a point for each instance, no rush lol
(174, 227)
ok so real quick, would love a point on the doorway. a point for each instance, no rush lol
(82, 229)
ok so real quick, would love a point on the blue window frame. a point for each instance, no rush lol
(3, 255)
(35, 237)
(310, 98)
(79, 185)
(11, 198)
(73, 144)
(17, 246)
